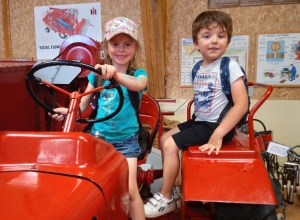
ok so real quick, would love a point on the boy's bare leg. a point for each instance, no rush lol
(171, 162)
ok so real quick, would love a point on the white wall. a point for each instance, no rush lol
(282, 117)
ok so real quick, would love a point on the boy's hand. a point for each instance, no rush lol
(61, 113)
(108, 71)
(211, 146)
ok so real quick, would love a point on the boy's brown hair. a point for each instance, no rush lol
(206, 18)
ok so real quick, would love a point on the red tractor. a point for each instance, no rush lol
(61, 175)
(72, 175)
(65, 22)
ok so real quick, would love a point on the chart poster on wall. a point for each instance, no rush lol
(278, 59)
(53, 24)
(237, 50)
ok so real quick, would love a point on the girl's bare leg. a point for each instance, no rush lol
(136, 205)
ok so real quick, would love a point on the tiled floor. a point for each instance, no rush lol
(292, 212)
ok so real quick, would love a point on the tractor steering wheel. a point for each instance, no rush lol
(113, 84)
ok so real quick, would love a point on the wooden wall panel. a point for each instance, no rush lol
(23, 29)
(154, 42)
(180, 15)
(1, 33)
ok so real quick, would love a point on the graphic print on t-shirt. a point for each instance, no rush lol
(107, 101)
(107, 105)
(204, 88)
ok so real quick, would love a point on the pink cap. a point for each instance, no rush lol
(120, 25)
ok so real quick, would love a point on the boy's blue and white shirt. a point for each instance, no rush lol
(209, 98)
(124, 124)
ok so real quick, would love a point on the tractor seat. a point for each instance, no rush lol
(238, 148)
(149, 114)
(236, 175)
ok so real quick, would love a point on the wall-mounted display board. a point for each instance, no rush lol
(278, 58)
(240, 3)
(237, 50)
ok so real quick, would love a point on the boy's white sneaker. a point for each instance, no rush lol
(159, 205)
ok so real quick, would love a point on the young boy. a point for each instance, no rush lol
(211, 32)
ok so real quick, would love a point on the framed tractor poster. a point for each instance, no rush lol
(278, 58)
(53, 24)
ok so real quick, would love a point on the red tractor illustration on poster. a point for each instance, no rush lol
(65, 22)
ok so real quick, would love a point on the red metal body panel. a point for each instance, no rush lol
(66, 175)
(42, 195)
(236, 175)
(18, 109)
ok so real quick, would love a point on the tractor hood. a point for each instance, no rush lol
(56, 175)
(45, 195)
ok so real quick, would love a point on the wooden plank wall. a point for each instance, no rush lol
(6, 30)
(181, 14)
(2, 52)
(179, 17)
(154, 41)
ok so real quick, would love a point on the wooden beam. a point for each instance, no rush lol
(145, 12)
(160, 24)
(154, 29)
(6, 29)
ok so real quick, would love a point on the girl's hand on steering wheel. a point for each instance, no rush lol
(61, 114)
(108, 71)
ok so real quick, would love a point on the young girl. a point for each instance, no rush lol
(121, 46)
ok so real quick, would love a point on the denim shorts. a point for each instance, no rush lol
(128, 147)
